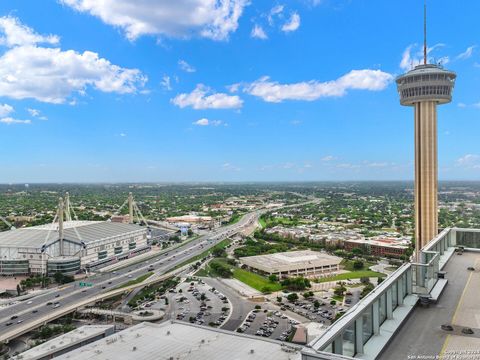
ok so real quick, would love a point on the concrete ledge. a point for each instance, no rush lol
(438, 289)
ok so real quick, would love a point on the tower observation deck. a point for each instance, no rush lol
(425, 87)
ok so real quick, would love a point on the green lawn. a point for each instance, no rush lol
(138, 280)
(262, 222)
(255, 281)
(337, 298)
(351, 275)
(348, 265)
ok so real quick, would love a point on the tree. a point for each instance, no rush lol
(368, 287)
(316, 304)
(279, 299)
(292, 297)
(340, 290)
(357, 251)
(308, 294)
(219, 252)
(273, 278)
(19, 290)
(379, 280)
(358, 265)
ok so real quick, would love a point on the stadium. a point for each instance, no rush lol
(70, 246)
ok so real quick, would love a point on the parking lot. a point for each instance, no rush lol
(274, 325)
(198, 303)
(324, 313)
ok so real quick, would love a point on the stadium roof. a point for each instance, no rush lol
(75, 231)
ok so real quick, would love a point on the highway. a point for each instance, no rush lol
(38, 309)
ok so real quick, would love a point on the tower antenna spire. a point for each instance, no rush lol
(425, 32)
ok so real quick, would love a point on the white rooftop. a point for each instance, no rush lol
(149, 341)
(65, 341)
(289, 260)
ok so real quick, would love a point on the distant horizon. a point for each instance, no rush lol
(219, 182)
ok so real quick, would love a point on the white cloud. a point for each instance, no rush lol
(467, 53)
(165, 83)
(258, 33)
(13, 33)
(203, 98)
(33, 112)
(275, 11)
(123, 135)
(229, 167)
(469, 161)
(5, 109)
(295, 122)
(272, 91)
(293, 24)
(202, 122)
(328, 158)
(461, 105)
(52, 75)
(413, 56)
(214, 19)
(206, 122)
(10, 121)
(186, 66)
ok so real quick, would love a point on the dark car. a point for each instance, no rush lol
(34, 311)
(58, 295)
(13, 317)
(8, 323)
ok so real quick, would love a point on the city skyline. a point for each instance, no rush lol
(248, 92)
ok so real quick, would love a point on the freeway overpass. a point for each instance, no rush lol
(25, 316)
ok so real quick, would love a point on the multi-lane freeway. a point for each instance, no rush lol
(26, 315)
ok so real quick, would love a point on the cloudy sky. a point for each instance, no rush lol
(228, 90)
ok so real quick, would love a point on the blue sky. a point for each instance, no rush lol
(233, 90)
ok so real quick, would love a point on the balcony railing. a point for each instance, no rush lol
(390, 302)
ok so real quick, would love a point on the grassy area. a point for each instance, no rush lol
(138, 280)
(348, 265)
(351, 275)
(253, 280)
(262, 222)
(256, 281)
(235, 218)
(338, 298)
(221, 245)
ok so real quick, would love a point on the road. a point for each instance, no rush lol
(240, 306)
(36, 308)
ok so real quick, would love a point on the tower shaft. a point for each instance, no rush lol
(426, 173)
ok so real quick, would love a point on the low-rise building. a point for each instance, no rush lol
(379, 246)
(189, 219)
(305, 263)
